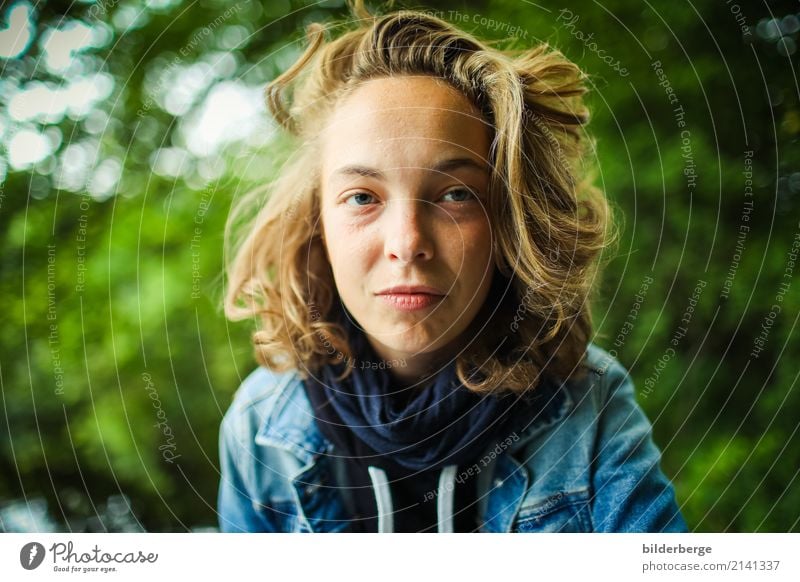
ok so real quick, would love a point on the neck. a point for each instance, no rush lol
(412, 369)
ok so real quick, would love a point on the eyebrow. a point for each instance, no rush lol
(443, 166)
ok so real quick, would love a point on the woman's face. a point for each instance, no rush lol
(404, 183)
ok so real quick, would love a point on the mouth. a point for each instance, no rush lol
(411, 297)
(411, 301)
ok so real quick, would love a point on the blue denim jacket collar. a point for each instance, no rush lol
(290, 426)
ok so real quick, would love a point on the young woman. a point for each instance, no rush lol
(420, 273)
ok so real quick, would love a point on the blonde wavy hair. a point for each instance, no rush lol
(550, 223)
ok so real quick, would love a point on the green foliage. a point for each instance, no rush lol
(115, 349)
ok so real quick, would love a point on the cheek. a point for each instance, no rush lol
(476, 249)
(349, 248)
(477, 274)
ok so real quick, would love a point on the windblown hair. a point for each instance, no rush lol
(550, 224)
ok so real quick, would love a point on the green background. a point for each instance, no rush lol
(80, 447)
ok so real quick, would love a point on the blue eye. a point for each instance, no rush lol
(461, 194)
(359, 197)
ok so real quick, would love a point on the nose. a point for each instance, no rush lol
(407, 231)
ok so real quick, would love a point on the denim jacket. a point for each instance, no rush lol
(586, 463)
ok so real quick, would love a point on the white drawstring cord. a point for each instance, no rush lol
(383, 498)
(444, 507)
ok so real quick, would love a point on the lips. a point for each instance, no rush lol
(411, 297)
(411, 289)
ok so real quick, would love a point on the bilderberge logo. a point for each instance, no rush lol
(31, 555)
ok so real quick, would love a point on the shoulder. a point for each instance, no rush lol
(263, 428)
(573, 404)
(604, 375)
(255, 400)
(601, 362)
(260, 390)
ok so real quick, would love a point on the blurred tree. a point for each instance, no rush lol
(130, 128)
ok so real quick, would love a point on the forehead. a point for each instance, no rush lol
(403, 120)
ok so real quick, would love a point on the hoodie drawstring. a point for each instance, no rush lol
(383, 498)
(444, 503)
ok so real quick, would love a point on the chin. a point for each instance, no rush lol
(409, 342)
